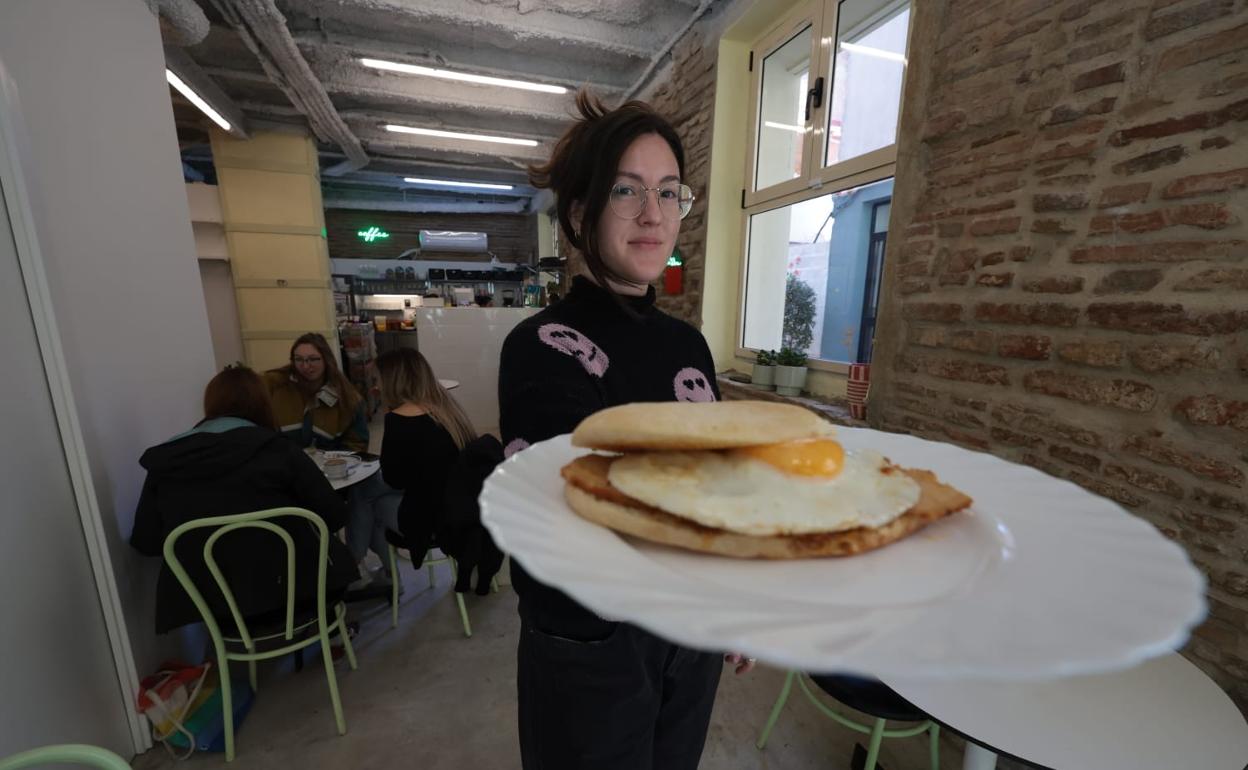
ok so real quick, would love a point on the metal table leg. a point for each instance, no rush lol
(978, 758)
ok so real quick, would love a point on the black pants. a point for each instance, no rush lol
(616, 699)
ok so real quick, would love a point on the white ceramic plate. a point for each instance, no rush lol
(1040, 578)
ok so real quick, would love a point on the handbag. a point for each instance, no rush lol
(183, 704)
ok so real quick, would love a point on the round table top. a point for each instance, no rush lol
(361, 472)
(1164, 713)
(449, 384)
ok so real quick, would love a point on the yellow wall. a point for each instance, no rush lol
(721, 299)
(275, 226)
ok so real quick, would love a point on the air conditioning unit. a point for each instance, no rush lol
(449, 240)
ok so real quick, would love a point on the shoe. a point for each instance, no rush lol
(364, 581)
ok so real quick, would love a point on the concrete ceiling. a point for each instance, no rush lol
(298, 62)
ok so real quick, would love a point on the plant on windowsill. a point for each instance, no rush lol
(790, 372)
(764, 373)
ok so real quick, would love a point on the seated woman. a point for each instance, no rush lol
(234, 461)
(425, 430)
(316, 406)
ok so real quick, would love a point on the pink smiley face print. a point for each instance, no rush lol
(692, 385)
(569, 341)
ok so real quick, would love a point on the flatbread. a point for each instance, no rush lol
(590, 494)
(679, 425)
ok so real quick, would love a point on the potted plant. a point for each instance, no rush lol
(764, 374)
(790, 372)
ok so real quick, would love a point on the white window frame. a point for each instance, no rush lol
(816, 179)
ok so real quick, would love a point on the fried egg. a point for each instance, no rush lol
(780, 489)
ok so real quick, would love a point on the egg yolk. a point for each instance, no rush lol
(817, 457)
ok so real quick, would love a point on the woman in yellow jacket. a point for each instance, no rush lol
(316, 406)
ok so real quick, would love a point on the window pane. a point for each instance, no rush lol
(781, 115)
(868, 67)
(812, 274)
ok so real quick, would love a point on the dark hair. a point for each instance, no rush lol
(583, 165)
(348, 396)
(239, 392)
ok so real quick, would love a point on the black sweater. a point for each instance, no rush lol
(417, 455)
(580, 355)
(213, 474)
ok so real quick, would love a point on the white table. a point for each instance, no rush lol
(1164, 714)
(361, 472)
(449, 384)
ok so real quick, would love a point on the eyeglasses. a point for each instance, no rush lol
(629, 200)
(296, 360)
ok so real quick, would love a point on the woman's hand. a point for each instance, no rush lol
(744, 665)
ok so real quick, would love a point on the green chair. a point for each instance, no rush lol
(65, 753)
(868, 696)
(323, 627)
(394, 541)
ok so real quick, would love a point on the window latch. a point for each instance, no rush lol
(814, 97)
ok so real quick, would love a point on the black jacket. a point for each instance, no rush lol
(459, 528)
(249, 468)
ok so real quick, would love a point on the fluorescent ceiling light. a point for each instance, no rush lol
(878, 53)
(449, 183)
(459, 135)
(785, 126)
(194, 99)
(415, 69)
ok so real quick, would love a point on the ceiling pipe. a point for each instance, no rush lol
(182, 21)
(428, 207)
(262, 28)
(699, 12)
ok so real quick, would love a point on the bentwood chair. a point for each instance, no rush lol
(65, 753)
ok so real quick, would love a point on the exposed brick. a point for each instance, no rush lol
(995, 280)
(1218, 278)
(1214, 143)
(1032, 423)
(1168, 24)
(1225, 85)
(1107, 24)
(1214, 411)
(1159, 318)
(1195, 121)
(1160, 251)
(1025, 346)
(1124, 394)
(1066, 113)
(1212, 525)
(912, 249)
(1206, 184)
(1067, 180)
(1020, 253)
(1101, 76)
(1054, 284)
(915, 269)
(1217, 502)
(918, 390)
(986, 227)
(992, 258)
(918, 230)
(1083, 460)
(950, 229)
(1123, 194)
(962, 261)
(1151, 160)
(1040, 314)
(966, 371)
(913, 286)
(1042, 100)
(1103, 354)
(1171, 359)
(1059, 202)
(1068, 150)
(1013, 438)
(955, 279)
(1077, 10)
(1142, 106)
(932, 311)
(1103, 488)
(1099, 48)
(1145, 479)
(1206, 216)
(1103, 224)
(969, 403)
(997, 188)
(1128, 282)
(974, 341)
(1052, 227)
(1204, 48)
(928, 336)
(1166, 453)
(945, 124)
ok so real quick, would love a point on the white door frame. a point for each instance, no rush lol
(30, 262)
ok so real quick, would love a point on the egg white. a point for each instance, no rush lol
(745, 495)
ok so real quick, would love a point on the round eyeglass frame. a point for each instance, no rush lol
(685, 201)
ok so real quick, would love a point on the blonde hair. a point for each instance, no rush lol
(407, 377)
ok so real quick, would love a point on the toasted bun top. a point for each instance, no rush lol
(685, 425)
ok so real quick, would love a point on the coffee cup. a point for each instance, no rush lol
(336, 468)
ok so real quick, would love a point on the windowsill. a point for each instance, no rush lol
(833, 410)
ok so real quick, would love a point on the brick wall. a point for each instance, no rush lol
(1068, 283)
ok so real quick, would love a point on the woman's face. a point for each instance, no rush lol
(308, 363)
(637, 249)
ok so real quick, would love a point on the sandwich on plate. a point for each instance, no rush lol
(750, 479)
